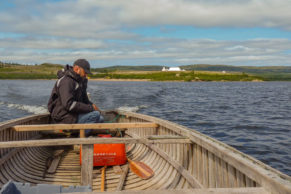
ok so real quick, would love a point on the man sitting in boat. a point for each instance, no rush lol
(69, 102)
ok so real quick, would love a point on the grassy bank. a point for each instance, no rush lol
(180, 76)
(160, 76)
(17, 71)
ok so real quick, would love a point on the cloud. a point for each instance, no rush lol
(103, 31)
(163, 51)
(50, 43)
(87, 18)
(238, 47)
(210, 13)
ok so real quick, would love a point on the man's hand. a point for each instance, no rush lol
(96, 108)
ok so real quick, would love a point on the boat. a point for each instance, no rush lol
(183, 160)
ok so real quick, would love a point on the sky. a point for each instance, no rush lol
(146, 32)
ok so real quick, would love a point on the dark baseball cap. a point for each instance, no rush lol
(84, 64)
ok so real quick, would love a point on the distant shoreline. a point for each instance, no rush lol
(148, 80)
(134, 80)
(193, 73)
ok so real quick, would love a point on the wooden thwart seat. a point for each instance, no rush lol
(156, 137)
(50, 127)
(86, 141)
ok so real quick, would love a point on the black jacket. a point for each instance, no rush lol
(69, 97)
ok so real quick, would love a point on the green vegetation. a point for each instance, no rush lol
(154, 73)
(17, 71)
(276, 76)
(179, 76)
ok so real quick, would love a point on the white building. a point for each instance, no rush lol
(175, 69)
(172, 69)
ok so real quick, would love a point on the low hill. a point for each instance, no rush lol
(129, 68)
(51, 65)
(246, 69)
(269, 73)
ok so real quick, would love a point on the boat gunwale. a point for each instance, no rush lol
(10, 123)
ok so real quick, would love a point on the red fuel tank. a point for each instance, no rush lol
(107, 154)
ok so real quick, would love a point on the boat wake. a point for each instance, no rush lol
(27, 108)
(131, 109)
(42, 109)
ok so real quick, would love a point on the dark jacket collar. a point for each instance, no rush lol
(68, 71)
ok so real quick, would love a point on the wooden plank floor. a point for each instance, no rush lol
(29, 164)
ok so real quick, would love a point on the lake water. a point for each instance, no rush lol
(254, 117)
